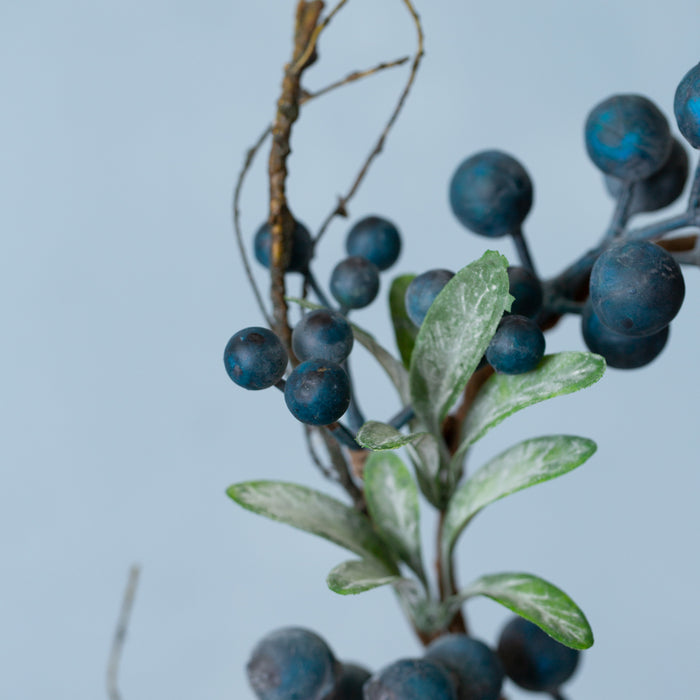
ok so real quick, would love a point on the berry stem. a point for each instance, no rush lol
(523, 250)
(310, 278)
(354, 413)
(405, 415)
(621, 214)
(694, 197)
(556, 695)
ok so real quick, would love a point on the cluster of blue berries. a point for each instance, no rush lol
(294, 663)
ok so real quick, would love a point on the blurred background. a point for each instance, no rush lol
(124, 125)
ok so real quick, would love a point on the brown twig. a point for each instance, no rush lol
(341, 208)
(342, 471)
(120, 634)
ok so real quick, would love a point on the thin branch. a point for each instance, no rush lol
(342, 472)
(341, 208)
(302, 61)
(120, 634)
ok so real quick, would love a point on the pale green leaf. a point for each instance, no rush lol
(405, 331)
(313, 512)
(525, 464)
(356, 576)
(392, 501)
(536, 600)
(454, 336)
(374, 435)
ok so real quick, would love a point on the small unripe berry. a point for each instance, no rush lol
(317, 392)
(323, 334)
(411, 679)
(255, 358)
(517, 346)
(526, 289)
(421, 293)
(299, 255)
(355, 282)
(686, 106)
(376, 239)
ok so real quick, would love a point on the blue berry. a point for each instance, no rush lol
(636, 288)
(620, 351)
(350, 682)
(627, 136)
(411, 679)
(376, 239)
(533, 659)
(686, 106)
(323, 334)
(517, 346)
(292, 664)
(300, 254)
(662, 188)
(477, 668)
(421, 293)
(526, 289)
(255, 358)
(491, 193)
(317, 392)
(355, 282)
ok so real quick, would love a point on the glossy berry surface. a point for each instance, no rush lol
(317, 392)
(375, 239)
(300, 254)
(532, 659)
(292, 664)
(355, 282)
(686, 106)
(620, 351)
(662, 188)
(517, 346)
(627, 136)
(636, 288)
(476, 667)
(421, 293)
(255, 358)
(411, 679)
(526, 289)
(350, 681)
(323, 334)
(491, 193)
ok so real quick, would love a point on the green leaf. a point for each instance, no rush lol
(503, 395)
(536, 600)
(356, 576)
(525, 464)
(392, 500)
(381, 436)
(313, 512)
(454, 336)
(405, 330)
(394, 369)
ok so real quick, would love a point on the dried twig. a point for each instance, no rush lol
(120, 634)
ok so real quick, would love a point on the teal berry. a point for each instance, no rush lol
(686, 106)
(292, 663)
(526, 289)
(300, 254)
(255, 358)
(376, 239)
(636, 288)
(517, 346)
(323, 334)
(628, 137)
(355, 282)
(411, 679)
(534, 660)
(477, 668)
(491, 193)
(421, 293)
(317, 392)
(661, 188)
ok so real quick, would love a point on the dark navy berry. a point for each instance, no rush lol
(376, 239)
(526, 289)
(477, 668)
(355, 282)
(620, 351)
(627, 136)
(300, 254)
(350, 682)
(411, 679)
(491, 193)
(517, 346)
(255, 358)
(292, 664)
(532, 659)
(636, 288)
(662, 188)
(323, 334)
(421, 293)
(317, 392)
(686, 106)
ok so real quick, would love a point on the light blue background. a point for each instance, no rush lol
(123, 127)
